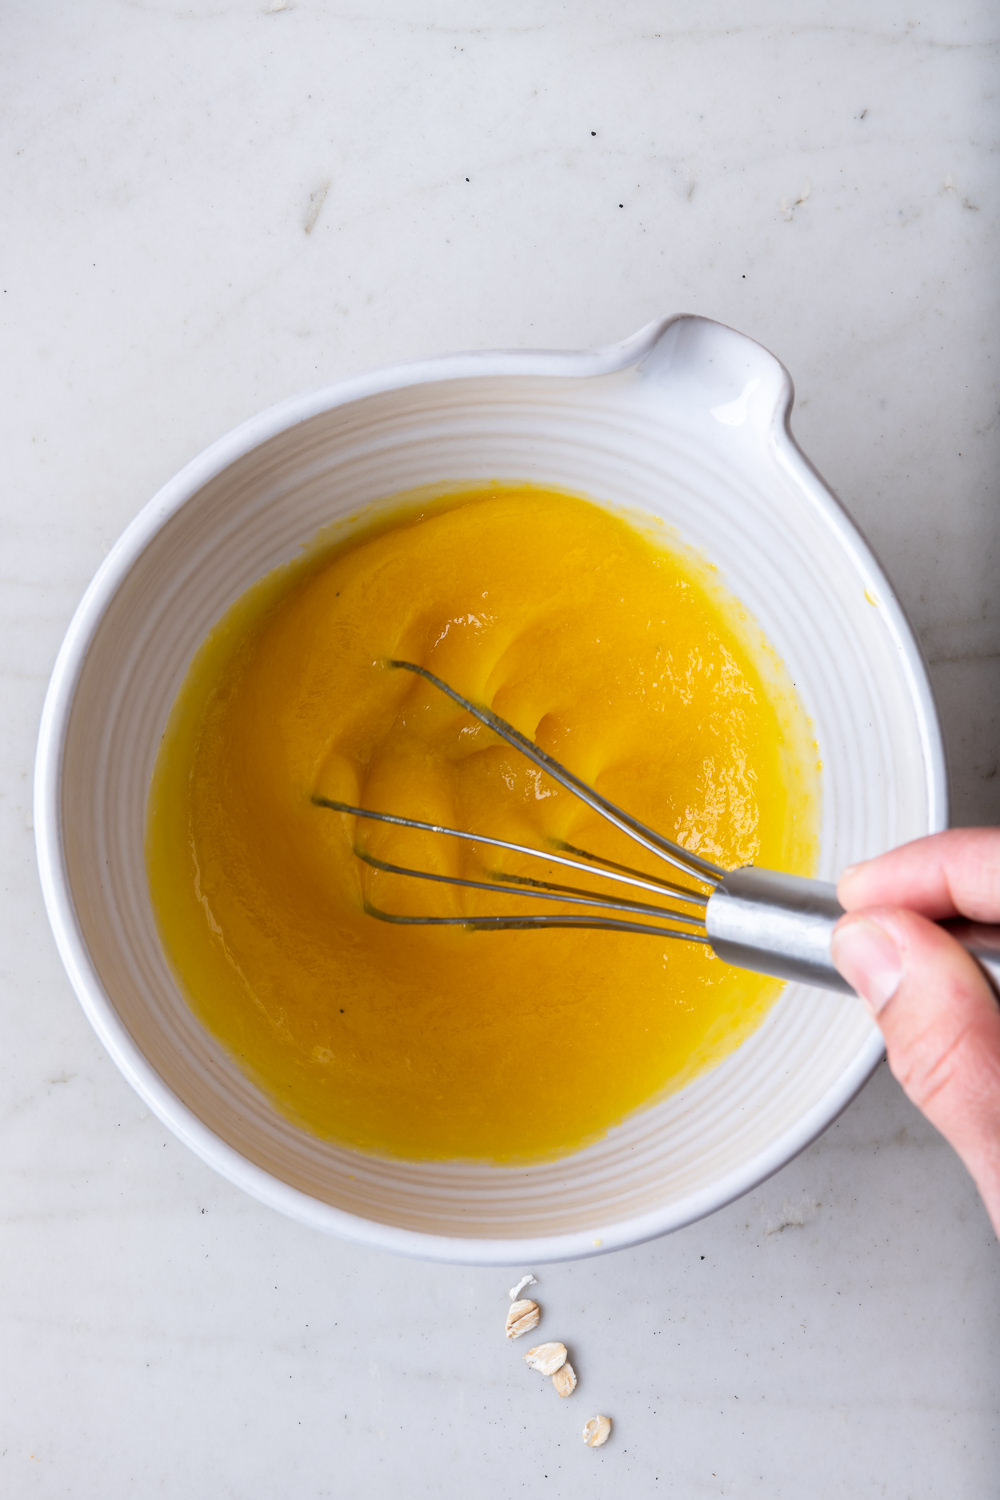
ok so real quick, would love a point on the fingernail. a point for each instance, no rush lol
(869, 960)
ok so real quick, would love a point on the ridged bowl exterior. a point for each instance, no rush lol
(687, 421)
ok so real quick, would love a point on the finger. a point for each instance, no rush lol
(944, 875)
(941, 1025)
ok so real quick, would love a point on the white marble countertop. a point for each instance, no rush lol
(207, 207)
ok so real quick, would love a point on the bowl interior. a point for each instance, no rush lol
(737, 490)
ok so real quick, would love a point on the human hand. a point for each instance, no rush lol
(938, 1014)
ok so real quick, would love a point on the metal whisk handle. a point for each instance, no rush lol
(782, 925)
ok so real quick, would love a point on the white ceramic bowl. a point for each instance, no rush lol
(686, 419)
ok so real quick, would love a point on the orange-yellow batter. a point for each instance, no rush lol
(623, 658)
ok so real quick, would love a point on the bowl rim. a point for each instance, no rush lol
(71, 945)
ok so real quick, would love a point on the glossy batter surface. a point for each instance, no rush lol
(619, 655)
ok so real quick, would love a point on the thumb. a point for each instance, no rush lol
(941, 1025)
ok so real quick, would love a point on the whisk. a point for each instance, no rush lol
(758, 919)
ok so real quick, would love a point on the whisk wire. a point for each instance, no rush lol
(539, 890)
(604, 867)
(515, 923)
(656, 843)
(663, 921)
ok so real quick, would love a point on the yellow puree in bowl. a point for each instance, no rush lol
(620, 655)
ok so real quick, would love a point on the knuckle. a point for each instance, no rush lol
(980, 894)
(934, 1068)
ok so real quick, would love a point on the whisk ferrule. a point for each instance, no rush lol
(776, 924)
